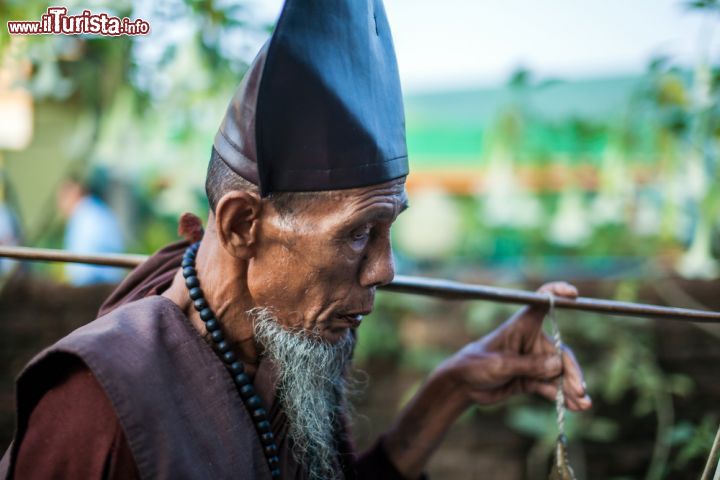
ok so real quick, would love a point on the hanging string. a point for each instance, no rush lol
(557, 340)
(561, 469)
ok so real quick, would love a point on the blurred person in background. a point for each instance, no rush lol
(10, 232)
(9, 236)
(91, 228)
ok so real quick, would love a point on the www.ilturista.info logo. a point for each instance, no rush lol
(57, 21)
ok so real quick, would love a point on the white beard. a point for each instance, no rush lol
(311, 388)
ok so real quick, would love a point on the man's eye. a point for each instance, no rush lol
(361, 233)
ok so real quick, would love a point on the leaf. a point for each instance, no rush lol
(680, 384)
(538, 423)
(601, 430)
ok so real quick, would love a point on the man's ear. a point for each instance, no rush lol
(237, 216)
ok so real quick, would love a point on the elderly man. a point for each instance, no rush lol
(227, 357)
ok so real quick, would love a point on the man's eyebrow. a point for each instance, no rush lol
(376, 214)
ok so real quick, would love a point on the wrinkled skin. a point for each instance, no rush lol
(516, 347)
(318, 269)
(320, 272)
(518, 357)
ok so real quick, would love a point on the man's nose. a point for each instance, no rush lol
(378, 267)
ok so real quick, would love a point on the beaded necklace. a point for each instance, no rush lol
(235, 367)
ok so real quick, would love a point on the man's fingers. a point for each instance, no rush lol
(573, 383)
(548, 389)
(559, 289)
(544, 388)
(541, 372)
(534, 366)
(573, 378)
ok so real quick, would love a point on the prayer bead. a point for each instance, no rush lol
(270, 450)
(247, 391)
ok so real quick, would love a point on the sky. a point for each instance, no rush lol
(450, 44)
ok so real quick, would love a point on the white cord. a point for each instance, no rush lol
(557, 340)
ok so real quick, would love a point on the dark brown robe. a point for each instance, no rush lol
(139, 393)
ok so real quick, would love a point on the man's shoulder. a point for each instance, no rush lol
(127, 339)
(170, 391)
(130, 337)
(136, 320)
(150, 307)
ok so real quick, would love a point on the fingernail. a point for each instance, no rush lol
(584, 385)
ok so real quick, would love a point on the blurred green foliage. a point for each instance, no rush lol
(148, 107)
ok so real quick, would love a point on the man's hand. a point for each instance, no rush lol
(517, 357)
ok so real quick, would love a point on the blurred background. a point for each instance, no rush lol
(548, 140)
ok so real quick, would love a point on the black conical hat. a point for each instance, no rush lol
(320, 107)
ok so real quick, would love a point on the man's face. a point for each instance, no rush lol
(68, 196)
(317, 268)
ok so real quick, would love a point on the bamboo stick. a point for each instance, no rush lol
(416, 285)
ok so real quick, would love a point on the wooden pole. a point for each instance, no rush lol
(50, 255)
(419, 286)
